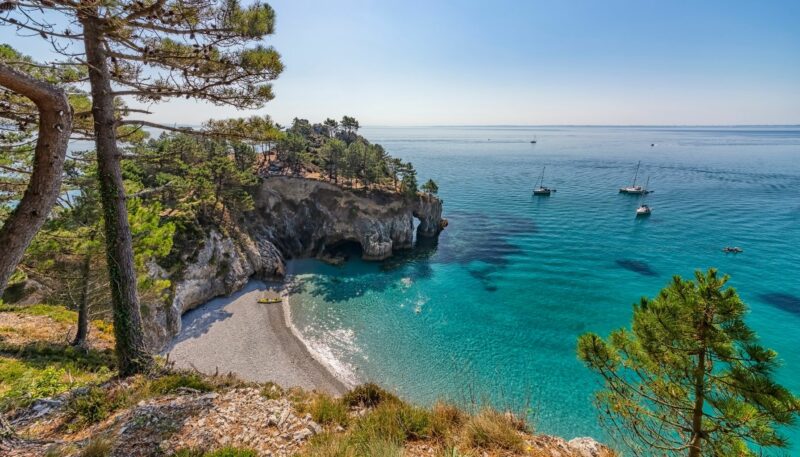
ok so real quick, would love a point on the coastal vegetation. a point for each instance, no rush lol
(690, 378)
(89, 238)
(92, 412)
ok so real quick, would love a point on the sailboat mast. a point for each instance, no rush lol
(541, 180)
(635, 175)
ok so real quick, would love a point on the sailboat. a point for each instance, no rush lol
(541, 190)
(533, 141)
(633, 188)
(643, 209)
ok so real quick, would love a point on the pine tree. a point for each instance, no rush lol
(31, 101)
(430, 187)
(152, 51)
(689, 378)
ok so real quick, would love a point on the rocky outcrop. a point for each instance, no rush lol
(292, 217)
(303, 218)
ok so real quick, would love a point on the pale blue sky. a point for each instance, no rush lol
(411, 62)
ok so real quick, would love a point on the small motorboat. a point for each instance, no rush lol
(643, 210)
(732, 250)
(269, 300)
(541, 190)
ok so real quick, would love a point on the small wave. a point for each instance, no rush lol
(323, 352)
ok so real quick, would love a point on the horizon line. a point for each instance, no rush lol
(580, 125)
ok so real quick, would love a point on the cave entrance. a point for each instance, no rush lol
(343, 250)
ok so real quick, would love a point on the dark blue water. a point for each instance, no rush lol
(493, 311)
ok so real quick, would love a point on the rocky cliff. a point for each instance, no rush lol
(292, 218)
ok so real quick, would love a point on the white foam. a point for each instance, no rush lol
(323, 352)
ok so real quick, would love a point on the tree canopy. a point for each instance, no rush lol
(689, 377)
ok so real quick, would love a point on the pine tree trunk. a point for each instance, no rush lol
(55, 127)
(82, 335)
(132, 354)
(696, 438)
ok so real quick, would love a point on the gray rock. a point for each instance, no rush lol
(292, 217)
(586, 447)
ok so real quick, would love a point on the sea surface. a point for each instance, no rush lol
(492, 312)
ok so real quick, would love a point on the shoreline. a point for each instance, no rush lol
(255, 341)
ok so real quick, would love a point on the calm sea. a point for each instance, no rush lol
(493, 311)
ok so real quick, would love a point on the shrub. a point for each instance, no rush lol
(395, 422)
(174, 381)
(327, 410)
(490, 429)
(445, 418)
(368, 395)
(92, 406)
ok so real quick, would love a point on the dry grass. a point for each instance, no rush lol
(490, 429)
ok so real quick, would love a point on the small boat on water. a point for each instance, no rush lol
(541, 190)
(633, 189)
(732, 250)
(643, 209)
(533, 141)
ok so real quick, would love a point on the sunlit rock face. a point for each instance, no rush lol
(292, 218)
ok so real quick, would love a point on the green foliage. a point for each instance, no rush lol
(691, 375)
(430, 187)
(92, 406)
(174, 381)
(19, 119)
(223, 452)
(408, 184)
(43, 370)
(368, 395)
(55, 312)
(326, 410)
(292, 150)
(395, 422)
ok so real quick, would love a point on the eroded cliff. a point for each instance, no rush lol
(292, 218)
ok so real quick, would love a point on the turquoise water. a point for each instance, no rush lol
(493, 311)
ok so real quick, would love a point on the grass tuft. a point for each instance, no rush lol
(368, 395)
(223, 452)
(490, 429)
(271, 391)
(328, 411)
(98, 447)
(179, 380)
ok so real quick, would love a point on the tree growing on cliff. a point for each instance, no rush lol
(408, 183)
(430, 187)
(152, 51)
(689, 378)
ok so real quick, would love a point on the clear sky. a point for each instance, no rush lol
(443, 62)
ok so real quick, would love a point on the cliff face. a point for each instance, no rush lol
(304, 218)
(293, 217)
